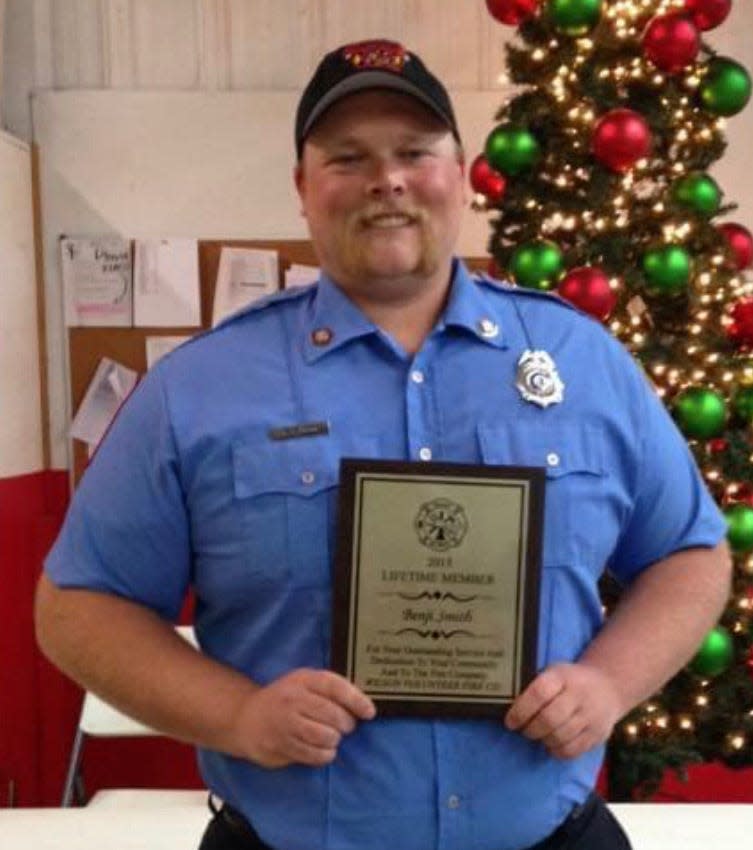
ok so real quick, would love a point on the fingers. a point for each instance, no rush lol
(329, 714)
(302, 717)
(313, 743)
(339, 691)
(539, 694)
(577, 746)
(569, 708)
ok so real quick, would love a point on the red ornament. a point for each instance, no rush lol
(621, 137)
(717, 446)
(485, 180)
(588, 288)
(707, 14)
(739, 492)
(740, 241)
(671, 42)
(740, 330)
(512, 12)
(749, 662)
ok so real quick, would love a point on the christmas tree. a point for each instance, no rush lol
(597, 180)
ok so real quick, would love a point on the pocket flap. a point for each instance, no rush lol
(301, 467)
(560, 449)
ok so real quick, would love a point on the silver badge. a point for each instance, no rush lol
(537, 379)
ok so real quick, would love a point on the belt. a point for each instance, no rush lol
(567, 831)
(573, 825)
(239, 826)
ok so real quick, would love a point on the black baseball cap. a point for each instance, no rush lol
(375, 64)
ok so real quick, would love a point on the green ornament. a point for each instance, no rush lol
(714, 655)
(739, 527)
(667, 270)
(726, 87)
(742, 404)
(700, 413)
(699, 192)
(537, 265)
(511, 150)
(574, 17)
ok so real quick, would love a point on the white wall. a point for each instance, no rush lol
(228, 45)
(20, 416)
(2, 42)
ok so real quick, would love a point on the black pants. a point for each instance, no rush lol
(590, 827)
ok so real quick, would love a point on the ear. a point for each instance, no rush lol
(463, 175)
(300, 185)
(461, 160)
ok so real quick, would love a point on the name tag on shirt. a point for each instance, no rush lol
(293, 432)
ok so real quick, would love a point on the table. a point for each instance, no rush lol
(138, 824)
(686, 826)
(143, 822)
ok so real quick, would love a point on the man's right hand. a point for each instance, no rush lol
(135, 660)
(301, 718)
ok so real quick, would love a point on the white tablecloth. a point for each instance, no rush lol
(687, 826)
(134, 826)
(139, 822)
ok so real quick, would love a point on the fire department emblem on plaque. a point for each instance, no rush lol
(441, 524)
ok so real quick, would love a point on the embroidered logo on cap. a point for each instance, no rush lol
(384, 55)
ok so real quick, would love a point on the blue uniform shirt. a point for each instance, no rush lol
(189, 489)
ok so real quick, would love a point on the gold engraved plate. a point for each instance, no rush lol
(436, 585)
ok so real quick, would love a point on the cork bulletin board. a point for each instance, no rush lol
(87, 345)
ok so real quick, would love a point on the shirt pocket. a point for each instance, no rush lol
(286, 499)
(575, 516)
(571, 455)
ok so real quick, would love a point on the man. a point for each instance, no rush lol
(221, 473)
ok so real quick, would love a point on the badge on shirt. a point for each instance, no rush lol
(537, 379)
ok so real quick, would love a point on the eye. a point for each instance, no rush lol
(413, 154)
(349, 158)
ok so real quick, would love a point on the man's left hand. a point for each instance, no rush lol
(570, 708)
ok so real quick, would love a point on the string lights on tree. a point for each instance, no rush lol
(597, 181)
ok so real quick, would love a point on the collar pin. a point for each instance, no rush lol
(488, 328)
(321, 336)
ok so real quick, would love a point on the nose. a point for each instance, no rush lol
(386, 179)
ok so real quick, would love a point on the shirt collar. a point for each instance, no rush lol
(470, 308)
(335, 320)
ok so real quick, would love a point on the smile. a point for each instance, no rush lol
(389, 220)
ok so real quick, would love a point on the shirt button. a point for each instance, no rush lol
(307, 477)
(425, 453)
(553, 459)
(417, 376)
(453, 801)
